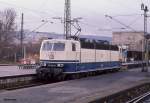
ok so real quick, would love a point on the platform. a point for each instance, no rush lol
(77, 91)
(14, 70)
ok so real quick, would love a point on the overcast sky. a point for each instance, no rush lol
(93, 13)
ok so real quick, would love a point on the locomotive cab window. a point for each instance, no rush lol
(73, 47)
(47, 46)
(59, 47)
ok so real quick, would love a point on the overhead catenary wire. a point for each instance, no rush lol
(112, 18)
(124, 15)
(100, 29)
(134, 21)
(37, 12)
(45, 13)
(41, 25)
(28, 9)
(87, 24)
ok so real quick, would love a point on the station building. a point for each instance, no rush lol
(133, 41)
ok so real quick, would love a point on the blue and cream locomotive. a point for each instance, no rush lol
(61, 57)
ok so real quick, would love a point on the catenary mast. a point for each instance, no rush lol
(67, 19)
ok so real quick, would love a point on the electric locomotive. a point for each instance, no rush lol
(61, 57)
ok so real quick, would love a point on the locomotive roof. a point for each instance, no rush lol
(61, 40)
(88, 45)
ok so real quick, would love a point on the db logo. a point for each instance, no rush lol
(51, 56)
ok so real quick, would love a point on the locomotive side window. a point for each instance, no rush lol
(47, 46)
(73, 47)
(59, 47)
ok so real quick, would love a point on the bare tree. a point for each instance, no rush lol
(8, 25)
(7, 29)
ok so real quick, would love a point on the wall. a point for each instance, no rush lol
(133, 40)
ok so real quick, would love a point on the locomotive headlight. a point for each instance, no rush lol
(60, 65)
(43, 64)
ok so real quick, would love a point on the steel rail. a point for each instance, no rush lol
(139, 98)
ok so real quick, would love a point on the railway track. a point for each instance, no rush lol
(23, 81)
(145, 98)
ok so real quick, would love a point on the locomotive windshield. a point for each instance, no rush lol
(47, 46)
(59, 47)
(53, 46)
